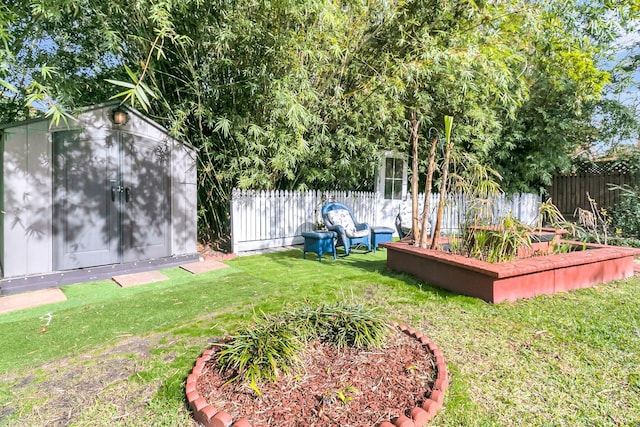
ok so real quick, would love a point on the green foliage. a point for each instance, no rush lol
(564, 113)
(137, 91)
(624, 215)
(616, 124)
(631, 242)
(495, 243)
(550, 216)
(304, 94)
(344, 394)
(262, 351)
(448, 124)
(343, 325)
(497, 240)
(595, 221)
(563, 248)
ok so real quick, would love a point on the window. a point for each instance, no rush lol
(392, 176)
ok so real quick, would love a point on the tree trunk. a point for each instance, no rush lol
(414, 179)
(443, 193)
(427, 193)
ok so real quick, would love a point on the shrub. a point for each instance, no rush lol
(493, 243)
(625, 214)
(260, 352)
(343, 325)
(271, 346)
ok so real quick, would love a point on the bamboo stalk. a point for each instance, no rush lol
(427, 192)
(414, 179)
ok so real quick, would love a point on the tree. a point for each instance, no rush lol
(565, 113)
(303, 94)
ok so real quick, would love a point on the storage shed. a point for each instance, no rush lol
(108, 193)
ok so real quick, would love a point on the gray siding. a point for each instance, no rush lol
(183, 199)
(27, 200)
(26, 189)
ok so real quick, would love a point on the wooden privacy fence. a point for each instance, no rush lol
(265, 219)
(570, 192)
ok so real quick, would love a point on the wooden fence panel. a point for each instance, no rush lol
(568, 193)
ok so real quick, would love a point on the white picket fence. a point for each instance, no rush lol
(268, 219)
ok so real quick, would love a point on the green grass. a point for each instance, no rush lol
(570, 359)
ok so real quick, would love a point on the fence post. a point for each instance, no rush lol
(234, 220)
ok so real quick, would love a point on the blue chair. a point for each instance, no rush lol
(337, 217)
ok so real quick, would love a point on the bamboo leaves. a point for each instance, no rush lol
(136, 91)
(223, 126)
(307, 93)
(8, 86)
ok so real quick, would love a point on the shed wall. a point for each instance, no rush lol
(183, 200)
(26, 235)
(27, 200)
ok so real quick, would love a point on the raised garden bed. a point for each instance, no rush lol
(520, 278)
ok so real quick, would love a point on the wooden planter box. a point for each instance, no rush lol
(520, 278)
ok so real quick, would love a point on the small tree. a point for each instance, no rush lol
(476, 181)
(448, 123)
(420, 225)
(420, 229)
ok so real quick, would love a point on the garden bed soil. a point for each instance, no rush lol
(403, 382)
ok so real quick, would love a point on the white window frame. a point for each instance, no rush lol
(382, 178)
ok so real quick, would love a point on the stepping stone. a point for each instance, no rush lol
(203, 266)
(143, 278)
(30, 299)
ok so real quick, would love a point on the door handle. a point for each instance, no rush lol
(113, 193)
(127, 194)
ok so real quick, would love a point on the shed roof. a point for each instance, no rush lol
(105, 105)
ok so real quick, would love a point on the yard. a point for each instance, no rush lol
(121, 356)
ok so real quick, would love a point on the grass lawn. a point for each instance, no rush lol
(112, 356)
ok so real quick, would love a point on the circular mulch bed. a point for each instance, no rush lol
(401, 385)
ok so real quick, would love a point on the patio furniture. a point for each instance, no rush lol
(319, 242)
(380, 235)
(404, 222)
(337, 217)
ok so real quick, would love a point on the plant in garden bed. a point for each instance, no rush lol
(495, 243)
(625, 213)
(260, 353)
(483, 236)
(272, 346)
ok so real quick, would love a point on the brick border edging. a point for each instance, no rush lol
(208, 416)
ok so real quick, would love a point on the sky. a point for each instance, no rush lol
(630, 46)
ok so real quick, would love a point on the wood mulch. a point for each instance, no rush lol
(214, 252)
(347, 387)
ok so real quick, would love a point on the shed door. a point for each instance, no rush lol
(111, 199)
(86, 220)
(145, 178)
